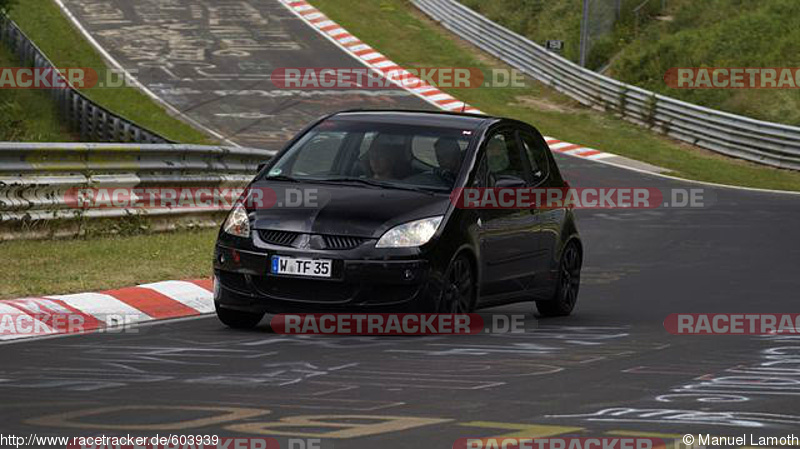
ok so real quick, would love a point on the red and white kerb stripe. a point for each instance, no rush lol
(87, 312)
(374, 59)
(571, 149)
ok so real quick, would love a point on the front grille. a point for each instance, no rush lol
(280, 238)
(321, 291)
(288, 238)
(311, 290)
(342, 242)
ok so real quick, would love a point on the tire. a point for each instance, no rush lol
(459, 292)
(568, 284)
(237, 319)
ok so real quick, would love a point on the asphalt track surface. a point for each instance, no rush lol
(611, 369)
(213, 60)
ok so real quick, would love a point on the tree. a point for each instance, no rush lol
(6, 5)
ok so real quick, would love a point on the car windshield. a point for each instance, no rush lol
(380, 154)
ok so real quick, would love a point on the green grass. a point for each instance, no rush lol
(400, 32)
(70, 266)
(28, 115)
(43, 22)
(691, 33)
(720, 33)
(541, 20)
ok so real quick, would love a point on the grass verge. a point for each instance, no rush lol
(72, 266)
(403, 34)
(44, 23)
(687, 33)
(28, 115)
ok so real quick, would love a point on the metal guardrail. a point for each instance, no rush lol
(93, 122)
(35, 178)
(754, 140)
(39, 181)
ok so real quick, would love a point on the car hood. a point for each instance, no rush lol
(346, 210)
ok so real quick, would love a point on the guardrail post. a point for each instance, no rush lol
(73, 110)
(126, 132)
(102, 126)
(83, 117)
(115, 129)
(94, 120)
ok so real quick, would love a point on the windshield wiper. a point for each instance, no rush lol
(379, 184)
(281, 178)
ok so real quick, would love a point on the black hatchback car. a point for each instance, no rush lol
(363, 216)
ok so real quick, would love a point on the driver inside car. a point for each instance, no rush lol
(448, 155)
(387, 160)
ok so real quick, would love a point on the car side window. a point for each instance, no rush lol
(422, 147)
(503, 157)
(536, 151)
(366, 142)
(481, 174)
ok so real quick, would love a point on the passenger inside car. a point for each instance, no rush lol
(387, 160)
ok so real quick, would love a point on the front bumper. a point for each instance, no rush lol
(243, 282)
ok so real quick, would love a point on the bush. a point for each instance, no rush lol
(6, 5)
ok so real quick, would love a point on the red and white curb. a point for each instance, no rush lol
(571, 149)
(373, 58)
(103, 311)
(390, 70)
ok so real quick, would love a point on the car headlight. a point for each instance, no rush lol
(238, 223)
(409, 235)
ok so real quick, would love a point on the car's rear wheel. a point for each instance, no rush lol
(567, 284)
(458, 292)
(238, 319)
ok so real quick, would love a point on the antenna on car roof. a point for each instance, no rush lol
(463, 107)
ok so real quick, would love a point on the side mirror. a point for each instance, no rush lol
(506, 181)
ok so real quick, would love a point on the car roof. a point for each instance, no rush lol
(426, 118)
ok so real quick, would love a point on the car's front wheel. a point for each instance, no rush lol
(567, 284)
(238, 319)
(458, 292)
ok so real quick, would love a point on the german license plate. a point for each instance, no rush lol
(292, 266)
